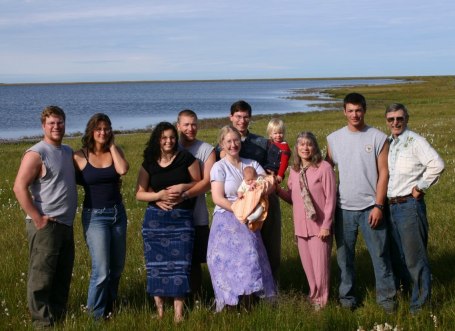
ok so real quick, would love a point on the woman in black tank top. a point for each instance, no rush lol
(99, 166)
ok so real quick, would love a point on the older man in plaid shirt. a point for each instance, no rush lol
(414, 166)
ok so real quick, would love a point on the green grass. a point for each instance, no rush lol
(432, 108)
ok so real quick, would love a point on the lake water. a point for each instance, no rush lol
(143, 104)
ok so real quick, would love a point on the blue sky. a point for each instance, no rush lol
(90, 40)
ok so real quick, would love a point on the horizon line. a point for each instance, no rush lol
(218, 80)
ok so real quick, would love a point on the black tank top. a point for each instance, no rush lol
(101, 186)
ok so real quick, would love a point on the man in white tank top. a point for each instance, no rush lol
(45, 187)
(359, 153)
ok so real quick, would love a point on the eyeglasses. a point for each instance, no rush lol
(240, 117)
(58, 123)
(399, 119)
(103, 130)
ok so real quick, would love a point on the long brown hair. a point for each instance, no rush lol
(87, 139)
(317, 156)
(152, 151)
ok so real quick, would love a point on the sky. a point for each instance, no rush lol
(117, 40)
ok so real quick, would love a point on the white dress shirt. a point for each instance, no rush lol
(412, 162)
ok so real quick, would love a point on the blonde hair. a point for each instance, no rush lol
(225, 130)
(275, 124)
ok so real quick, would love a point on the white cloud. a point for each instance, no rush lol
(80, 12)
(223, 38)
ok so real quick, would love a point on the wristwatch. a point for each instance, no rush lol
(418, 189)
(380, 207)
(184, 196)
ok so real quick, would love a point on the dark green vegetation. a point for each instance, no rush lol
(431, 103)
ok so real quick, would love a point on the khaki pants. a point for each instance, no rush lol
(51, 262)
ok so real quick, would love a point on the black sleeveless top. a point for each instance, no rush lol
(175, 173)
(101, 186)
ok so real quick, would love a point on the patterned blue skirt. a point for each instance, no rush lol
(168, 246)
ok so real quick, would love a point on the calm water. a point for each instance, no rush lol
(140, 105)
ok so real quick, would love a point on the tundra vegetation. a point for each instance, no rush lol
(431, 102)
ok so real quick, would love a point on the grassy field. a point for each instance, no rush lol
(431, 102)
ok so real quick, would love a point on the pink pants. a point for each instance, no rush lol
(315, 256)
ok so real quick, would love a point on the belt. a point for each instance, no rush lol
(403, 199)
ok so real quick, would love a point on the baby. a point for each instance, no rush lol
(252, 183)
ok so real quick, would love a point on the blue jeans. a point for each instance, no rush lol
(347, 223)
(409, 227)
(105, 235)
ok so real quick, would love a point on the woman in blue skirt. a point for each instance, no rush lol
(164, 177)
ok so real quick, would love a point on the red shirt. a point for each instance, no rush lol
(278, 160)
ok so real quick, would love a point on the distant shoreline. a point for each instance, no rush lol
(204, 123)
(207, 80)
(311, 94)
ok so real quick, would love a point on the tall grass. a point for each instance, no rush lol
(431, 103)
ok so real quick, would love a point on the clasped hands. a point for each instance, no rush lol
(170, 196)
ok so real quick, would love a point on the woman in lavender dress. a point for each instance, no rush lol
(236, 257)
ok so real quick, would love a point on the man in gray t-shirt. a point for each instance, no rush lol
(360, 154)
(204, 152)
(45, 187)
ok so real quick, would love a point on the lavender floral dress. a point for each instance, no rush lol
(236, 258)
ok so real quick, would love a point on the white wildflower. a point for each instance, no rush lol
(435, 320)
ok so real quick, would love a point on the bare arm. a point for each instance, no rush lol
(203, 185)
(218, 196)
(30, 169)
(195, 174)
(118, 157)
(376, 215)
(286, 195)
(79, 160)
(328, 157)
(145, 193)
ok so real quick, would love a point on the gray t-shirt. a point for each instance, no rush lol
(355, 154)
(201, 151)
(55, 194)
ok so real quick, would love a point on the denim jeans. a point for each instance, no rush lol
(347, 224)
(409, 228)
(105, 235)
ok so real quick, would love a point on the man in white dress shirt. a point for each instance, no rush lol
(414, 166)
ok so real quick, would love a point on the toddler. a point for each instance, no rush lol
(278, 151)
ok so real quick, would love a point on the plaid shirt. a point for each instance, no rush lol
(412, 161)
